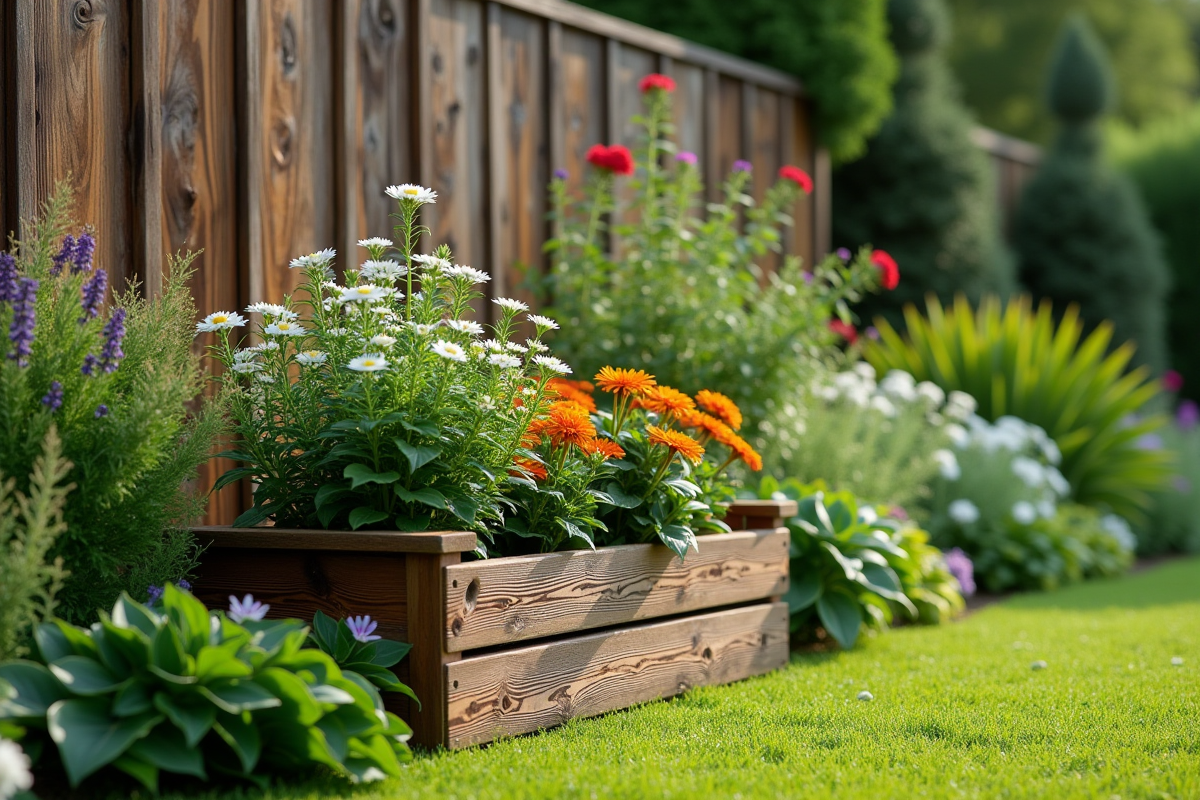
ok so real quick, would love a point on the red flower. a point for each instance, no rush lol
(656, 81)
(615, 158)
(797, 176)
(1172, 380)
(887, 265)
(844, 330)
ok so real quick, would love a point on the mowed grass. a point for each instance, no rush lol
(957, 712)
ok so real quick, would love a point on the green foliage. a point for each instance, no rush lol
(1081, 233)
(28, 529)
(1163, 160)
(849, 567)
(1015, 361)
(1173, 522)
(688, 297)
(178, 691)
(125, 422)
(840, 50)
(923, 190)
(1001, 49)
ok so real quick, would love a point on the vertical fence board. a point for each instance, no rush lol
(8, 24)
(584, 99)
(632, 64)
(765, 152)
(729, 146)
(802, 154)
(688, 108)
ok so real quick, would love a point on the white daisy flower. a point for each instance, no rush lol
(448, 350)
(516, 347)
(263, 347)
(472, 274)
(311, 358)
(369, 362)
(317, 259)
(432, 262)
(963, 511)
(536, 346)
(383, 340)
(411, 192)
(244, 355)
(386, 270)
(247, 367)
(15, 774)
(220, 321)
(366, 293)
(543, 323)
(270, 310)
(504, 360)
(510, 305)
(465, 326)
(375, 242)
(494, 346)
(423, 329)
(284, 328)
(264, 377)
(552, 364)
(337, 331)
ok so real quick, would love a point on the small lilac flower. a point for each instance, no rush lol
(101, 411)
(8, 278)
(63, 256)
(184, 584)
(742, 165)
(114, 332)
(155, 594)
(844, 253)
(363, 628)
(808, 277)
(81, 256)
(247, 609)
(963, 570)
(687, 157)
(93, 295)
(898, 512)
(90, 364)
(1151, 441)
(872, 332)
(1188, 415)
(20, 332)
(561, 174)
(53, 398)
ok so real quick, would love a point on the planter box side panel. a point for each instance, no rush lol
(508, 600)
(522, 690)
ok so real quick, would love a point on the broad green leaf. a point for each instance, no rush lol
(132, 699)
(388, 653)
(464, 508)
(89, 737)
(328, 492)
(418, 455)
(84, 676)
(130, 614)
(428, 496)
(679, 538)
(242, 737)
(167, 749)
(166, 652)
(234, 697)
(839, 614)
(361, 474)
(621, 498)
(144, 773)
(422, 426)
(415, 524)
(324, 631)
(364, 515)
(218, 661)
(803, 590)
(57, 638)
(298, 704)
(34, 687)
(192, 717)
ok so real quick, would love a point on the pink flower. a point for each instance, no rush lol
(844, 330)
(614, 158)
(1172, 381)
(887, 265)
(656, 81)
(797, 176)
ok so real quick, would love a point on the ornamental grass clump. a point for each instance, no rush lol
(116, 382)
(379, 402)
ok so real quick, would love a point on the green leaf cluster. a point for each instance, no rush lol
(1018, 361)
(177, 690)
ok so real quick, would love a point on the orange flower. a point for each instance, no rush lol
(665, 400)
(712, 427)
(624, 382)
(567, 391)
(746, 453)
(527, 466)
(533, 433)
(721, 406)
(580, 386)
(568, 423)
(604, 447)
(677, 442)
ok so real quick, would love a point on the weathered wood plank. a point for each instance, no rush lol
(518, 691)
(583, 103)
(8, 186)
(299, 583)
(760, 514)
(688, 108)
(729, 144)
(428, 661)
(803, 149)
(349, 541)
(506, 600)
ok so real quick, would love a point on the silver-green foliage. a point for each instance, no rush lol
(29, 524)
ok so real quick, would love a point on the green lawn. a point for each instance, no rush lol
(958, 712)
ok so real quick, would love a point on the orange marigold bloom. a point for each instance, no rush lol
(579, 386)
(567, 391)
(721, 406)
(605, 447)
(677, 442)
(714, 427)
(568, 423)
(665, 400)
(624, 381)
(747, 453)
(527, 465)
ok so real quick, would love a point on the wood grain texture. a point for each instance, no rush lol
(688, 107)
(802, 150)
(298, 583)
(506, 600)
(518, 691)
(349, 541)
(729, 144)
(428, 660)
(765, 152)
(760, 514)
(583, 104)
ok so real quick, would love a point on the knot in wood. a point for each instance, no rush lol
(386, 18)
(456, 627)
(82, 14)
(282, 133)
(287, 45)
(515, 625)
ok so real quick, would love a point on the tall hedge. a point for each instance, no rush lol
(839, 49)
(1081, 231)
(923, 192)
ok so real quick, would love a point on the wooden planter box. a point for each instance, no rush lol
(509, 645)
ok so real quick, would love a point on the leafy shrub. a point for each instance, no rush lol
(923, 190)
(116, 385)
(840, 50)
(998, 499)
(28, 528)
(850, 567)
(1081, 232)
(687, 298)
(1015, 361)
(1173, 523)
(873, 439)
(183, 692)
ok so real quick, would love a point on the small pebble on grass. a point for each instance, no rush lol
(1038, 665)
(1176, 662)
(864, 695)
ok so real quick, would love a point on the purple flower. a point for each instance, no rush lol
(65, 255)
(844, 253)
(898, 512)
(808, 277)
(184, 584)
(53, 398)
(20, 332)
(561, 174)
(742, 165)
(81, 256)
(1188, 415)
(8, 278)
(1151, 441)
(114, 332)
(90, 363)
(687, 157)
(960, 566)
(101, 411)
(155, 594)
(872, 332)
(363, 628)
(93, 295)
(247, 609)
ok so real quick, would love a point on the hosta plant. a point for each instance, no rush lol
(1018, 361)
(177, 690)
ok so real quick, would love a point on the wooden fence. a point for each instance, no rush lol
(259, 130)
(1014, 162)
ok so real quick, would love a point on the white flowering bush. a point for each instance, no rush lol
(378, 401)
(1000, 496)
(875, 439)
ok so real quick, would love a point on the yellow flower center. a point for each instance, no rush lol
(312, 353)
(364, 290)
(370, 362)
(219, 318)
(283, 326)
(412, 192)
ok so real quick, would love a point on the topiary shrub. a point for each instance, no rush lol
(1081, 232)
(922, 192)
